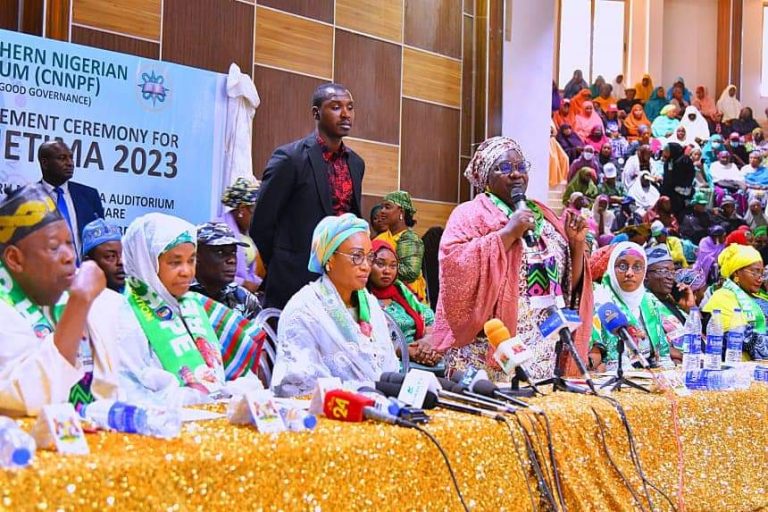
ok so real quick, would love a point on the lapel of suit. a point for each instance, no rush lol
(320, 173)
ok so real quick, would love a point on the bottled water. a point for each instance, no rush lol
(713, 354)
(298, 420)
(134, 419)
(734, 338)
(719, 380)
(692, 341)
(16, 446)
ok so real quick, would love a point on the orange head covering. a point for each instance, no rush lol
(577, 102)
(635, 120)
(644, 92)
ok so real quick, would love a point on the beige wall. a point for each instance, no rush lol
(751, 67)
(690, 43)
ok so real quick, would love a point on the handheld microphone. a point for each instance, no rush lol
(558, 324)
(347, 406)
(616, 323)
(509, 352)
(519, 204)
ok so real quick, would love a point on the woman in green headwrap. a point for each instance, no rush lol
(583, 182)
(397, 212)
(333, 327)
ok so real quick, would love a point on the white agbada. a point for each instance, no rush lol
(33, 373)
(730, 172)
(698, 128)
(242, 102)
(729, 106)
(311, 343)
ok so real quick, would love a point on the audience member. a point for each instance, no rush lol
(333, 327)
(627, 102)
(627, 215)
(602, 216)
(618, 86)
(215, 270)
(728, 104)
(705, 104)
(78, 204)
(564, 115)
(728, 218)
(677, 182)
(575, 84)
(644, 88)
(696, 224)
(644, 192)
(318, 173)
(102, 244)
(570, 142)
(240, 198)
(696, 127)
(710, 248)
(634, 121)
(666, 123)
(745, 123)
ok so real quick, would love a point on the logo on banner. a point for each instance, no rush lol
(152, 89)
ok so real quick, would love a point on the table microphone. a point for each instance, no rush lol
(519, 204)
(556, 324)
(431, 401)
(486, 389)
(616, 323)
(347, 406)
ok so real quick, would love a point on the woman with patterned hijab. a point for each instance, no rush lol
(397, 212)
(333, 327)
(240, 198)
(488, 271)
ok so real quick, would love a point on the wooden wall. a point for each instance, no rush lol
(411, 66)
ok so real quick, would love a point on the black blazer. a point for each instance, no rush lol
(295, 195)
(87, 203)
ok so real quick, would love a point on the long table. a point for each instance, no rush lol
(706, 452)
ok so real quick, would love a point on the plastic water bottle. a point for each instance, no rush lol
(734, 338)
(16, 446)
(713, 355)
(719, 380)
(692, 342)
(134, 419)
(298, 420)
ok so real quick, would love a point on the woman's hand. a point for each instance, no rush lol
(688, 299)
(520, 222)
(676, 355)
(575, 229)
(422, 353)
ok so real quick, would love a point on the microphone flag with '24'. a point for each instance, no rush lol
(343, 405)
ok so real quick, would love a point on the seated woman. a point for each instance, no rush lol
(487, 270)
(623, 286)
(397, 212)
(742, 268)
(584, 184)
(176, 351)
(333, 327)
(412, 317)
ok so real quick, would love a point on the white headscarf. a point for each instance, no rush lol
(730, 107)
(145, 240)
(644, 198)
(608, 217)
(619, 89)
(698, 128)
(631, 299)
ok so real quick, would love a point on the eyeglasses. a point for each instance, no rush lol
(506, 168)
(636, 268)
(358, 257)
(756, 273)
(660, 271)
(380, 263)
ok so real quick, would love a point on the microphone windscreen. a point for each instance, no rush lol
(611, 317)
(496, 331)
(485, 388)
(345, 405)
(457, 376)
(395, 377)
(389, 388)
(446, 384)
(430, 401)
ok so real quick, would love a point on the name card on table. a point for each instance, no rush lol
(58, 427)
(265, 411)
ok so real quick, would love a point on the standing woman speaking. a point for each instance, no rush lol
(487, 270)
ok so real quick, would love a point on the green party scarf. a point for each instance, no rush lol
(12, 294)
(751, 310)
(185, 343)
(653, 328)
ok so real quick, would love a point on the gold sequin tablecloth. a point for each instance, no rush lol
(719, 464)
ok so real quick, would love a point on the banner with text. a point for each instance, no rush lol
(146, 134)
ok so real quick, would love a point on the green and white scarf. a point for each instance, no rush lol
(749, 307)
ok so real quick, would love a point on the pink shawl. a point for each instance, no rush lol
(479, 279)
(584, 125)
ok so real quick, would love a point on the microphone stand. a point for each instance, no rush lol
(557, 380)
(619, 380)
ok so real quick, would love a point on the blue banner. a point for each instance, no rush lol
(146, 134)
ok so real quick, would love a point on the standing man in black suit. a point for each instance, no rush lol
(79, 204)
(305, 181)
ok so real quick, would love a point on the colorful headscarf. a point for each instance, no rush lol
(241, 192)
(402, 199)
(657, 254)
(479, 169)
(739, 236)
(99, 232)
(692, 277)
(760, 231)
(329, 234)
(735, 257)
(24, 212)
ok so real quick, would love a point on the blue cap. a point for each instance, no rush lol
(98, 232)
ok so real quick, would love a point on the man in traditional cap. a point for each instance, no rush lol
(728, 218)
(216, 263)
(78, 204)
(660, 236)
(696, 224)
(305, 181)
(102, 244)
(56, 325)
